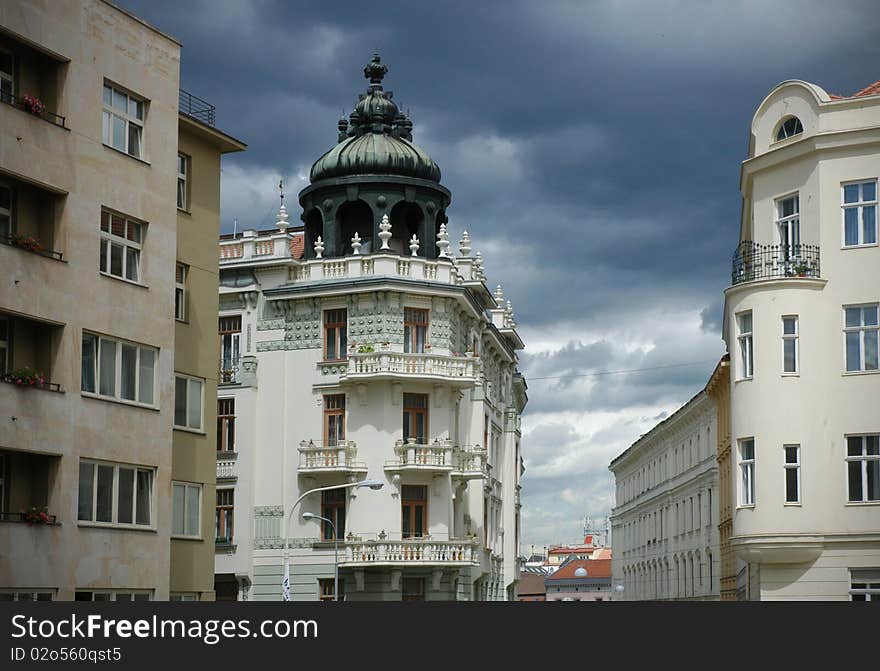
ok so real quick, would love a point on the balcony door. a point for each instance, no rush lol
(414, 509)
(230, 340)
(415, 418)
(789, 227)
(415, 330)
(334, 420)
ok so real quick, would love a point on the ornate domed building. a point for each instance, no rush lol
(369, 394)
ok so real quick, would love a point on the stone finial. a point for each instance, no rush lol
(499, 295)
(478, 266)
(319, 247)
(282, 219)
(356, 243)
(414, 245)
(385, 232)
(443, 242)
(464, 245)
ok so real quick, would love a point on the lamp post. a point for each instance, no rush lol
(372, 484)
(312, 516)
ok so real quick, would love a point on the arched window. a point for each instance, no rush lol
(791, 126)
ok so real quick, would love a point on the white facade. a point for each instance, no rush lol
(664, 536)
(288, 391)
(803, 344)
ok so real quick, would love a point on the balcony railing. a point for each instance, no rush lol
(30, 244)
(398, 364)
(30, 380)
(421, 457)
(197, 108)
(34, 107)
(229, 371)
(469, 462)
(319, 458)
(412, 552)
(23, 518)
(226, 466)
(754, 261)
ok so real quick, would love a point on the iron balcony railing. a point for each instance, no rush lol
(197, 108)
(35, 107)
(754, 261)
(30, 244)
(49, 520)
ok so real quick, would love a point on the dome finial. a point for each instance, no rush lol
(375, 70)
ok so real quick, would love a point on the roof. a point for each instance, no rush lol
(531, 584)
(595, 568)
(869, 90)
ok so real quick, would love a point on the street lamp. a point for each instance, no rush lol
(372, 484)
(312, 516)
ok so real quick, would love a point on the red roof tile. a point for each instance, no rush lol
(870, 90)
(596, 568)
(531, 584)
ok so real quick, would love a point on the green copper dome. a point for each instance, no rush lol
(376, 140)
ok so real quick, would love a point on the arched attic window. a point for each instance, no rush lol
(789, 127)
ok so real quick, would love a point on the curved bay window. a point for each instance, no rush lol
(414, 509)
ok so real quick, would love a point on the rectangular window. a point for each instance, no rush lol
(27, 594)
(335, 334)
(186, 509)
(229, 329)
(183, 596)
(747, 470)
(118, 369)
(415, 418)
(326, 588)
(864, 584)
(121, 240)
(860, 333)
(415, 330)
(116, 494)
(790, 344)
(4, 344)
(224, 515)
(114, 595)
(792, 473)
(7, 198)
(188, 402)
(334, 419)
(226, 425)
(123, 121)
(788, 225)
(182, 172)
(7, 77)
(859, 213)
(333, 508)
(414, 506)
(413, 589)
(863, 468)
(181, 272)
(746, 356)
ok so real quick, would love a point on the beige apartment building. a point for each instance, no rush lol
(107, 349)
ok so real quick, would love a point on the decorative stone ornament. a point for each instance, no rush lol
(499, 295)
(356, 243)
(443, 242)
(478, 266)
(385, 232)
(414, 245)
(319, 247)
(464, 245)
(282, 219)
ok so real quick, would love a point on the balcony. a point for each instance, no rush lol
(27, 351)
(196, 108)
(461, 371)
(229, 371)
(226, 467)
(753, 261)
(469, 463)
(34, 79)
(411, 457)
(26, 482)
(34, 106)
(410, 553)
(29, 216)
(316, 458)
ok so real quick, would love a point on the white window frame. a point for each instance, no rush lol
(860, 206)
(8, 77)
(115, 594)
(183, 163)
(117, 375)
(111, 112)
(870, 578)
(181, 274)
(184, 596)
(862, 329)
(114, 514)
(747, 474)
(788, 227)
(795, 339)
(745, 339)
(190, 379)
(187, 486)
(109, 239)
(781, 126)
(8, 211)
(791, 466)
(864, 458)
(30, 594)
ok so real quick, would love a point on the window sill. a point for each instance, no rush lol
(180, 537)
(115, 527)
(333, 360)
(864, 246)
(186, 429)
(125, 153)
(181, 321)
(746, 506)
(861, 504)
(46, 253)
(790, 374)
(183, 210)
(744, 379)
(123, 279)
(225, 548)
(120, 401)
(856, 373)
(792, 504)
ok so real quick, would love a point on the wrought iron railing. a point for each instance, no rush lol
(197, 108)
(30, 244)
(754, 261)
(34, 107)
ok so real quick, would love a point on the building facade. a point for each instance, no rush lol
(89, 118)
(580, 580)
(801, 326)
(664, 525)
(359, 348)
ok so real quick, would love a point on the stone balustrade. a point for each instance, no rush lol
(413, 267)
(385, 365)
(413, 456)
(226, 468)
(469, 462)
(315, 457)
(410, 552)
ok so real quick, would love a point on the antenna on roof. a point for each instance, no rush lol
(281, 189)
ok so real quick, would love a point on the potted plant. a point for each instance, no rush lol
(33, 105)
(28, 242)
(36, 516)
(25, 377)
(801, 269)
(365, 349)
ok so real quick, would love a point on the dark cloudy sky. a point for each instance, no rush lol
(593, 153)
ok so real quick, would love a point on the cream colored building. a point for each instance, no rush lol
(89, 126)
(800, 322)
(664, 537)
